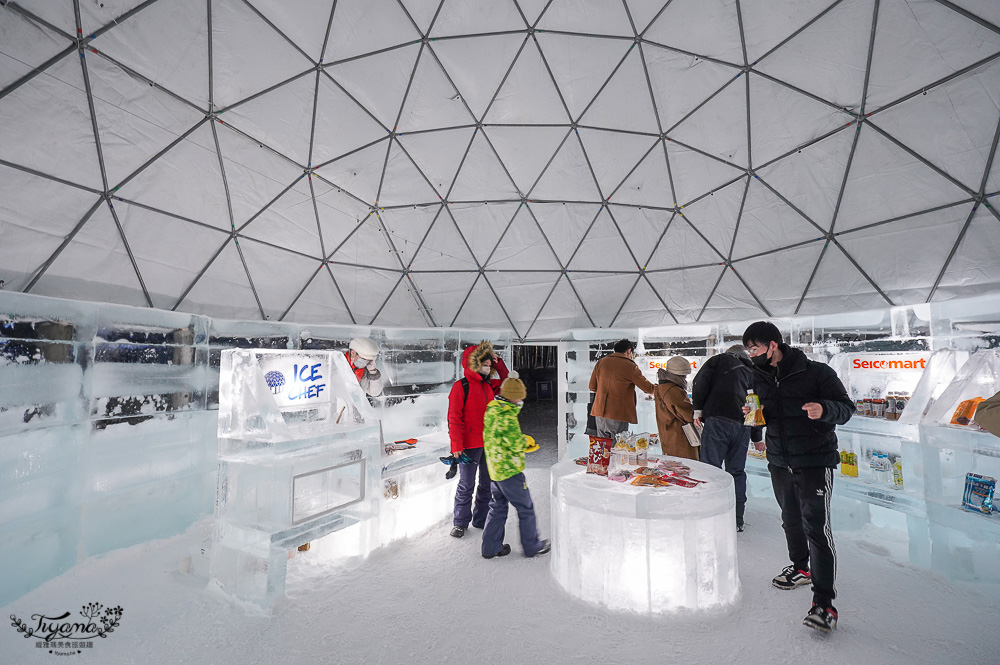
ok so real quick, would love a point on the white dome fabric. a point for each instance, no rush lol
(523, 163)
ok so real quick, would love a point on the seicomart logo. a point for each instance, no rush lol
(916, 363)
(63, 635)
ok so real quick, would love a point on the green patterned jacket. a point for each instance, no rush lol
(502, 440)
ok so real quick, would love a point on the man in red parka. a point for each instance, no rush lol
(484, 372)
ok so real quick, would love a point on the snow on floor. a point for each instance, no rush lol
(433, 599)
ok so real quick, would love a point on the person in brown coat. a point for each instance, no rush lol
(614, 379)
(988, 415)
(674, 408)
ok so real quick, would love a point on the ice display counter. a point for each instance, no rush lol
(648, 550)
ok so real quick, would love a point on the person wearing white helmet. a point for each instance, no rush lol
(361, 356)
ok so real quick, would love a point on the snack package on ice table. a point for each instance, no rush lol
(682, 481)
(964, 412)
(649, 481)
(979, 492)
(600, 455)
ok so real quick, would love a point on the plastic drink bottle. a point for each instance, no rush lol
(756, 415)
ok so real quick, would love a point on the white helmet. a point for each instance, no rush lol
(364, 347)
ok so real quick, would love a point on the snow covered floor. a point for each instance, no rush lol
(433, 599)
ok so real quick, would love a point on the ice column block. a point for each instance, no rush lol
(645, 550)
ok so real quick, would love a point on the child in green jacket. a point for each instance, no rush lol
(504, 445)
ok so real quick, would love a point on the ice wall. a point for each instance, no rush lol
(108, 418)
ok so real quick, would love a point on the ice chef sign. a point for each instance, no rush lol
(297, 379)
(881, 362)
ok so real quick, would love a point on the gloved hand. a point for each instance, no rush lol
(372, 370)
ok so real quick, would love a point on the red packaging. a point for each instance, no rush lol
(600, 455)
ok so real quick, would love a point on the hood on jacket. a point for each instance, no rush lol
(472, 359)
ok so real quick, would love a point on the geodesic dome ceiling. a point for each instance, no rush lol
(539, 165)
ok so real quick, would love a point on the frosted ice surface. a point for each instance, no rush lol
(645, 550)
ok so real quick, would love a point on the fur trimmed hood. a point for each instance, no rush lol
(475, 355)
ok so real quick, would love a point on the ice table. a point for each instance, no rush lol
(643, 549)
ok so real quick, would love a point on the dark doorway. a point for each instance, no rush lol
(537, 366)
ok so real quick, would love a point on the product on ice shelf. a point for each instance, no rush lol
(964, 412)
(650, 481)
(600, 455)
(849, 463)
(897, 473)
(979, 493)
(582, 461)
(755, 417)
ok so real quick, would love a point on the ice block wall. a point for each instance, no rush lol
(108, 418)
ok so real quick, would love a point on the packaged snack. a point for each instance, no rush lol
(964, 412)
(849, 463)
(681, 481)
(582, 461)
(649, 481)
(621, 476)
(600, 455)
(647, 471)
(979, 493)
(756, 415)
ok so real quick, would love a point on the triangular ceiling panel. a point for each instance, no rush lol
(614, 154)
(290, 222)
(643, 12)
(766, 26)
(264, 263)
(782, 119)
(532, 9)
(610, 108)
(592, 17)
(720, 126)
(365, 26)
(522, 294)
(715, 215)
(477, 66)
(421, 12)
(564, 224)
(444, 248)
(842, 35)
(528, 95)
(951, 125)
(60, 13)
(444, 293)
(685, 291)
(682, 246)
(35, 216)
(403, 181)
(523, 247)
(648, 184)
(305, 24)
(94, 266)
(986, 9)
(364, 290)
(670, 72)
(643, 308)
(526, 150)
(470, 18)
(812, 177)
(360, 173)
(560, 311)
(695, 174)
(482, 224)
(642, 227)
(904, 184)
(568, 177)
(178, 28)
(432, 101)
(392, 69)
(438, 154)
(482, 309)
(134, 121)
(780, 289)
(341, 125)
(917, 43)
(33, 44)
(907, 276)
(95, 15)
(482, 176)
(365, 245)
(401, 309)
(225, 277)
(731, 300)
(837, 280)
(581, 65)
(185, 181)
(281, 119)
(974, 267)
(603, 246)
(337, 209)
(56, 137)
(704, 27)
(320, 302)
(602, 294)
(408, 226)
(248, 56)
(768, 223)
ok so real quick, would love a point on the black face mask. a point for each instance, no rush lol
(761, 361)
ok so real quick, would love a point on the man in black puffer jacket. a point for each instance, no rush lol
(803, 403)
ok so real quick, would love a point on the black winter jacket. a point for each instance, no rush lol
(720, 388)
(793, 440)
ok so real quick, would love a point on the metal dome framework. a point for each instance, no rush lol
(608, 173)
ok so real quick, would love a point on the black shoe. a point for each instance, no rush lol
(458, 531)
(823, 619)
(545, 549)
(791, 578)
(503, 552)
(740, 528)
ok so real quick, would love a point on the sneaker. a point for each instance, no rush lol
(740, 527)
(791, 578)
(458, 531)
(504, 551)
(545, 549)
(823, 619)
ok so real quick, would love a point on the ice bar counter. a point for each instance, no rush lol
(648, 550)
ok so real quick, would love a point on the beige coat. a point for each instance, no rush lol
(988, 415)
(614, 380)
(673, 409)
